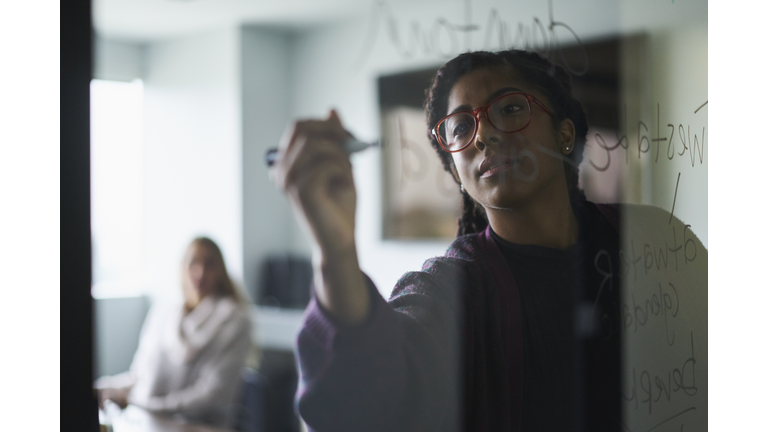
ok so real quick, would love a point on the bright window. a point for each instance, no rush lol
(116, 187)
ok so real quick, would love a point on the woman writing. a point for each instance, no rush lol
(513, 328)
(190, 356)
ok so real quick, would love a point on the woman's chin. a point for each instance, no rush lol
(203, 292)
(507, 195)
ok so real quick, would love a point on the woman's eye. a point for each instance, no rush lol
(460, 129)
(511, 109)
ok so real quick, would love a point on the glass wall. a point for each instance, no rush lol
(222, 84)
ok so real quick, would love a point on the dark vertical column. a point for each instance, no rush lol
(78, 404)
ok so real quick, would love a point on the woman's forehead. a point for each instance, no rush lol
(200, 252)
(476, 88)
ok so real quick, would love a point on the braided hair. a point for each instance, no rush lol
(550, 79)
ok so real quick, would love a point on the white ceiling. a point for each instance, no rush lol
(148, 20)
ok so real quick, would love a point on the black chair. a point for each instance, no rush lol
(285, 282)
(267, 401)
(252, 415)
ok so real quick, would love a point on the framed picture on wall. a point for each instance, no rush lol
(421, 200)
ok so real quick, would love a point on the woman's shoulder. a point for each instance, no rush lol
(464, 248)
(453, 268)
(462, 253)
(231, 307)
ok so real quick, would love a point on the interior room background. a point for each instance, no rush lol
(208, 87)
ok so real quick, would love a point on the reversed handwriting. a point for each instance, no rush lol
(441, 38)
(649, 388)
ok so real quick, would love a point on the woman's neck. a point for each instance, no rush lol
(191, 303)
(550, 223)
(189, 307)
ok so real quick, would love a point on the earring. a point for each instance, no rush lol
(567, 149)
(461, 186)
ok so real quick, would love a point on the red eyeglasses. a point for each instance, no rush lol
(507, 113)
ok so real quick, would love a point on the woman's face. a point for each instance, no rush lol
(202, 273)
(509, 170)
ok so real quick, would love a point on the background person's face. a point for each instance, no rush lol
(523, 172)
(202, 273)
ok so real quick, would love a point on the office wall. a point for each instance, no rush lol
(193, 169)
(117, 323)
(118, 60)
(268, 223)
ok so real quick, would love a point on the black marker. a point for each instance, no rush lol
(352, 145)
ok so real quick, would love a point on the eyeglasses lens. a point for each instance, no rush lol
(507, 114)
(456, 130)
(510, 113)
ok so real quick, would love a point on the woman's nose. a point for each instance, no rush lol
(196, 271)
(486, 134)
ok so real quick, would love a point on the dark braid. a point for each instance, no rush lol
(552, 80)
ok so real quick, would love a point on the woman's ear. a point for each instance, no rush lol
(566, 136)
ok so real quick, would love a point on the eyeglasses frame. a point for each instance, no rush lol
(484, 109)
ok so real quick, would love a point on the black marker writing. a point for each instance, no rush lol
(656, 257)
(678, 143)
(606, 273)
(601, 143)
(407, 171)
(441, 37)
(640, 138)
(674, 200)
(664, 303)
(655, 388)
(696, 145)
(658, 138)
(675, 247)
(688, 242)
(627, 262)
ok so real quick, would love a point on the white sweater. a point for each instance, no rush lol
(189, 365)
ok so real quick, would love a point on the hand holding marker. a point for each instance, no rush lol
(351, 145)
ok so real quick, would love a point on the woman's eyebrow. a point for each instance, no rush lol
(493, 96)
(500, 92)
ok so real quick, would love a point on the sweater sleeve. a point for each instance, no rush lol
(396, 371)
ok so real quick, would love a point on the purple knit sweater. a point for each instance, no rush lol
(445, 354)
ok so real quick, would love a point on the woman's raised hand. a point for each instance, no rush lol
(314, 171)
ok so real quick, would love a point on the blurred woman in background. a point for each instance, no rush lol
(190, 355)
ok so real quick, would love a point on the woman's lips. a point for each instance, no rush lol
(497, 167)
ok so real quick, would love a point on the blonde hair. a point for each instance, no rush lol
(224, 286)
